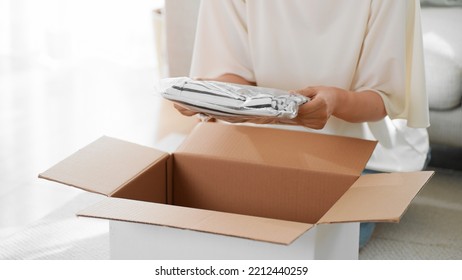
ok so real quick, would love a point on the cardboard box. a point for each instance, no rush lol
(245, 192)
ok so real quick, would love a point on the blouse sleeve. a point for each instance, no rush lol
(221, 45)
(391, 61)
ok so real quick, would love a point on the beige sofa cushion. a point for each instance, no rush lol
(443, 80)
(443, 56)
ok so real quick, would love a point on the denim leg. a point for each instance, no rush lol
(365, 233)
(366, 229)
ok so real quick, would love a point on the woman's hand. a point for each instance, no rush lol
(184, 111)
(347, 105)
(316, 112)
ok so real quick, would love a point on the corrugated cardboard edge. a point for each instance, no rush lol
(242, 226)
(382, 197)
(169, 180)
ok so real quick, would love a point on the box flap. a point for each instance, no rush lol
(105, 166)
(377, 197)
(262, 229)
(278, 147)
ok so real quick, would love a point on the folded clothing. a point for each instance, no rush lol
(218, 99)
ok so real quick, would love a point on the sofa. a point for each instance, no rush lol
(443, 67)
(441, 20)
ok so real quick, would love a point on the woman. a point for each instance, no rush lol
(360, 62)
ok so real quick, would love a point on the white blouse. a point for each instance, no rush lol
(351, 44)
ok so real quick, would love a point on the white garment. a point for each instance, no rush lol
(351, 44)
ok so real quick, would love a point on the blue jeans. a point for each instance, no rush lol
(366, 229)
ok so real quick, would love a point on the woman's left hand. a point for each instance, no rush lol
(316, 112)
(350, 106)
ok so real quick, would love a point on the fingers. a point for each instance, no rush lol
(183, 110)
(316, 113)
(308, 91)
(313, 115)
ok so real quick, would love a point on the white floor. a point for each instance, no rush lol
(80, 70)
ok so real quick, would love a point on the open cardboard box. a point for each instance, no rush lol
(237, 192)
